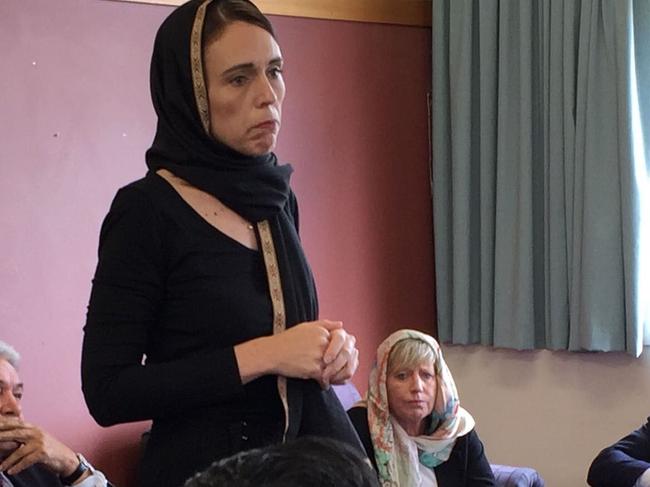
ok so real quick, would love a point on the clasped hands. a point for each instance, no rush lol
(321, 350)
(23, 444)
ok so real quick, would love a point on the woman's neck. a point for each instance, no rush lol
(414, 428)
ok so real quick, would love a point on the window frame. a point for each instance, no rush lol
(412, 12)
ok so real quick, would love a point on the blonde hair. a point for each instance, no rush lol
(409, 353)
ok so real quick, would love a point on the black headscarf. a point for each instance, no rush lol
(255, 187)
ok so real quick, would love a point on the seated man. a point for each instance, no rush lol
(29, 456)
(624, 464)
(306, 461)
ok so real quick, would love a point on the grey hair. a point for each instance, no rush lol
(9, 353)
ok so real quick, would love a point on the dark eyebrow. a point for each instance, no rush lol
(238, 67)
(249, 66)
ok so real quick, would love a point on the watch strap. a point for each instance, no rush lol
(78, 472)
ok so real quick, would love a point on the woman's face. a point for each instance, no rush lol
(411, 396)
(245, 88)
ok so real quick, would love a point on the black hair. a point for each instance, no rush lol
(313, 461)
(221, 13)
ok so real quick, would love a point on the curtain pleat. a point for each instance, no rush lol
(536, 205)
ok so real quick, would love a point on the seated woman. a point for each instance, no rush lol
(412, 425)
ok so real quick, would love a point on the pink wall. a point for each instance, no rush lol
(355, 128)
(76, 120)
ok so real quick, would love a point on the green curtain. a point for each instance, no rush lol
(642, 153)
(536, 201)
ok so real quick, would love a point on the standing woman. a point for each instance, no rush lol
(412, 425)
(203, 313)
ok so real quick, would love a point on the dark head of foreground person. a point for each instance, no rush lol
(203, 315)
(307, 461)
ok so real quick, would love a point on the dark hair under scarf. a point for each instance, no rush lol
(255, 187)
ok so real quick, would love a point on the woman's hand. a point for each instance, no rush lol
(319, 350)
(341, 358)
(299, 351)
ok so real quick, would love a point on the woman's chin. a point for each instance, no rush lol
(260, 146)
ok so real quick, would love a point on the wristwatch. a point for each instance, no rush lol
(78, 472)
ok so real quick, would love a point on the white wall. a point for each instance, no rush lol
(553, 411)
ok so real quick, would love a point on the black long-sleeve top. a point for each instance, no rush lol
(172, 288)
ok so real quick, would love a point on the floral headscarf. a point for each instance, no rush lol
(398, 454)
